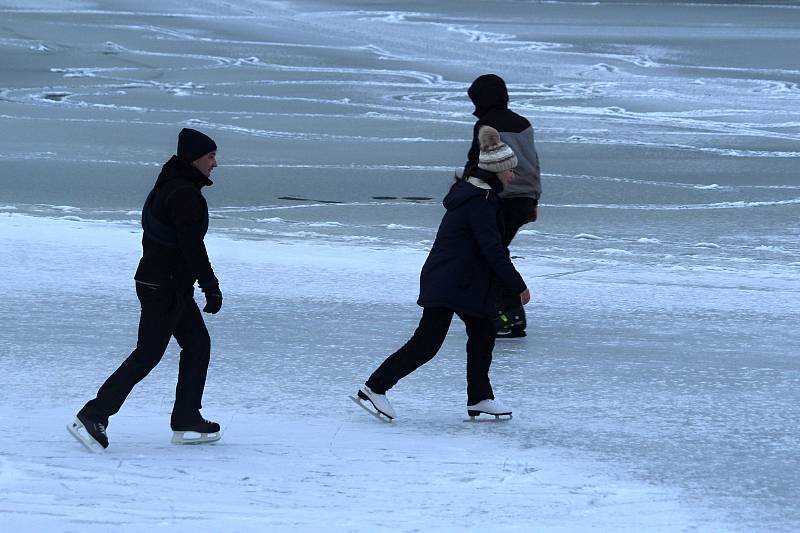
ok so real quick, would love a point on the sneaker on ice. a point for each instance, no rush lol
(513, 319)
(89, 432)
(379, 401)
(489, 407)
(510, 333)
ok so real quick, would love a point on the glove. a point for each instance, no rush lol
(213, 300)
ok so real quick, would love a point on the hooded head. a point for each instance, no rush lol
(487, 92)
(496, 156)
(193, 144)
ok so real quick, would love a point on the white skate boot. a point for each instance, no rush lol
(378, 401)
(488, 407)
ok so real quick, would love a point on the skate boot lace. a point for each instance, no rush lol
(101, 428)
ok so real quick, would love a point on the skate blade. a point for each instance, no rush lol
(193, 437)
(495, 419)
(77, 430)
(374, 412)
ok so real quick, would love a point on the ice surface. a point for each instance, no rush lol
(296, 453)
(657, 389)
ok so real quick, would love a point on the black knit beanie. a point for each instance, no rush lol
(193, 144)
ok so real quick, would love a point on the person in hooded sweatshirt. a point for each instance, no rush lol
(175, 221)
(465, 268)
(520, 198)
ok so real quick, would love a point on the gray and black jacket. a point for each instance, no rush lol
(490, 96)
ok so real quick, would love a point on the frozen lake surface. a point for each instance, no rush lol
(657, 389)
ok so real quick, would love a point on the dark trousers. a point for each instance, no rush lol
(165, 313)
(516, 213)
(426, 342)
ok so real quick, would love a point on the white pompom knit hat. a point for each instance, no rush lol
(495, 156)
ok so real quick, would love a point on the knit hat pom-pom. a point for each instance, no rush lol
(488, 137)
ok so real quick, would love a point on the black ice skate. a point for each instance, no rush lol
(90, 433)
(200, 432)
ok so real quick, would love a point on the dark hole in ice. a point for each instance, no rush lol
(55, 97)
(300, 199)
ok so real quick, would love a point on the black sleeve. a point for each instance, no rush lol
(483, 221)
(187, 211)
(474, 150)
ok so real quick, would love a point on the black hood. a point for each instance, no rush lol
(461, 192)
(488, 92)
(177, 168)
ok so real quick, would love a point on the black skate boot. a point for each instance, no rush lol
(198, 431)
(89, 432)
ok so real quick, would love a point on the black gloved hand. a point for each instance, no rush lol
(213, 300)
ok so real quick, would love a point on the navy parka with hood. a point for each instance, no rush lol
(468, 261)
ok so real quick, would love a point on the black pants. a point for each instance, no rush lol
(426, 342)
(165, 313)
(516, 213)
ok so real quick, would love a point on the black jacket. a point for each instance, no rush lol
(175, 221)
(490, 96)
(468, 261)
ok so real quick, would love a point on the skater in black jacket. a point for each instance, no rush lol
(175, 221)
(465, 268)
(520, 198)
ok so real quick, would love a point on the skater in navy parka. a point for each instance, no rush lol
(465, 269)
